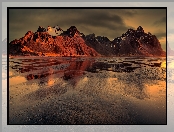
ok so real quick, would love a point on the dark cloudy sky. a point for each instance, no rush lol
(103, 22)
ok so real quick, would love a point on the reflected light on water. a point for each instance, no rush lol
(157, 90)
(163, 64)
(11, 73)
(17, 80)
(85, 80)
(50, 82)
(88, 91)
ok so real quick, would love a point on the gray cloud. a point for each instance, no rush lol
(160, 35)
(159, 22)
(108, 21)
(103, 22)
(156, 13)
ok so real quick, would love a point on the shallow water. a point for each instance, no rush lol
(45, 90)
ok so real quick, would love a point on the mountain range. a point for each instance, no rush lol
(72, 42)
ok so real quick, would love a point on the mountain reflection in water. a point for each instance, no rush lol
(87, 90)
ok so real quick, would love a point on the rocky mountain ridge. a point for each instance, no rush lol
(74, 43)
(43, 44)
(131, 43)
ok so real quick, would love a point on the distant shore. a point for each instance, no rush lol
(141, 56)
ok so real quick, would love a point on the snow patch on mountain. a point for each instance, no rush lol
(54, 31)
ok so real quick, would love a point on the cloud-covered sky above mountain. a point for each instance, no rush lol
(103, 22)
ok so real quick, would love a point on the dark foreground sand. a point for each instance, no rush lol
(105, 97)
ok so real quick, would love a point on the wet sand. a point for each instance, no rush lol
(89, 97)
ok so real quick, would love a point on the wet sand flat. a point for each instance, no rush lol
(87, 91)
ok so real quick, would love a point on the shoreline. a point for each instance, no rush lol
(89, 56)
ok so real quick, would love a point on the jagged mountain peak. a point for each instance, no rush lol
(73, 43)
(140, 28)
(42, 43)
(134, 42)
(139, 42)
(29, 33)
(54, 31)
(73, 32)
